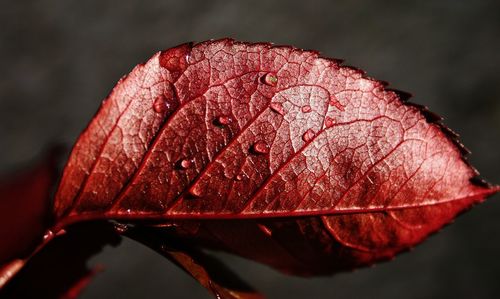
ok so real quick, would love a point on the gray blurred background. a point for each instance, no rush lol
(59, 59)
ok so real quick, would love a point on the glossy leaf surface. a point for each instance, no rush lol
(314, 165)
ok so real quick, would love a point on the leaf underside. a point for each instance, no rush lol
(59, 269)
(213, 275)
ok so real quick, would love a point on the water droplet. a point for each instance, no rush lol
(175, 59)
(222, 120)
(270, 79)
(48, 235)
(335, 103)
(195, 191)
(121, 228)
(306, 109)
(308, 135)
(278, 108)
(61, 232)
(161, 104)
(184, 163)
(227, 175)
(265, 230)
(329, 122)
(260, 147)
(239, 177)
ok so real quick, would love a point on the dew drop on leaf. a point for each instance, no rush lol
(270, 79)
(161, 104)
(260, 147)
(306, 109)
(329, 121)
(48, 235)
(308, 135)
(335, 103)
(195, 191)
(265, 230)
(184, 163)
(222, 120)
(278, 108)
(121, 228)
(175, 59)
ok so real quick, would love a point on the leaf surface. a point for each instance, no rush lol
(270, 152)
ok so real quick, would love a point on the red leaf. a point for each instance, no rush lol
(31, 261)
(25, 207)
(318, 167)
(59, 269)
(25, 212)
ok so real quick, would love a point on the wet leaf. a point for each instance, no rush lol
(269, 152)
(289, 147)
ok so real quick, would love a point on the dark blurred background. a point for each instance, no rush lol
(59, 59)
